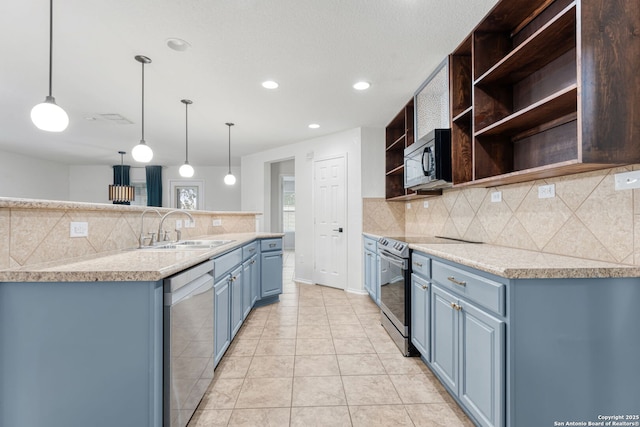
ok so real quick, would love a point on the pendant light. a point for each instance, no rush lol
(141, 152)
(122, 193)
(48, 115)
(229, 179)
(186, 170)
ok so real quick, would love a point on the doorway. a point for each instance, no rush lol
(283, 201)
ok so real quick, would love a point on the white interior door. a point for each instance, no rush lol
(330, 208)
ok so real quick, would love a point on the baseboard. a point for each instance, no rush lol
(357, 291)
(306, 282)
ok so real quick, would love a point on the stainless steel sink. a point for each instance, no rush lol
(189, 245)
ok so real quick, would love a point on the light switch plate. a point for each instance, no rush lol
(425, 204)
(496, 196)
(408, 205)
(178, 224)
(217, 223)
(189, 223)
(79, 229)
(627, 180)
(547, 191)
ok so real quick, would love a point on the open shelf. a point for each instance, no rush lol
(534, 53)
(559, 104)
(398, 170)
(395, 143)
(399, 135)
(552, 91)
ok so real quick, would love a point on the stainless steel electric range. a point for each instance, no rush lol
(395, 289)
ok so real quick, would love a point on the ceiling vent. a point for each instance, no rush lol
(114, 118)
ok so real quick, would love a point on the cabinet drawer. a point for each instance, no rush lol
(270, 245)
(484, 291)
(223, 264)
(370, 244)
(249, 250)
(421, 265)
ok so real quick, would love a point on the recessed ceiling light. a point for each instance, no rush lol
(314, 126)
(362, 85)
(178, 44)
(270, 84)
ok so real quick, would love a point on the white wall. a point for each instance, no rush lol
(256, 169)
(90, 183)
(31, 178)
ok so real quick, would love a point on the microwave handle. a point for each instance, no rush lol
(426, 152)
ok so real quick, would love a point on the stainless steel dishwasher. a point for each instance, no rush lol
(188, 342)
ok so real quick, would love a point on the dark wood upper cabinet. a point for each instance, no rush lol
(545, 88)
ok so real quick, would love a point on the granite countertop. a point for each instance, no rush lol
(135, 265)
(514, 263)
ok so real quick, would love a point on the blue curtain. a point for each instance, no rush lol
(154, 185)
(121, 177)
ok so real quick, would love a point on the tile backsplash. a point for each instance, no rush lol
(37, 234)
(587, 218)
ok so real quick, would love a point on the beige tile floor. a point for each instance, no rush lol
(319, 357)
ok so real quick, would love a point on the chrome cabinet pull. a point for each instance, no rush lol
(418, 264)
(272, 245)
(457, 282)
(456, 306)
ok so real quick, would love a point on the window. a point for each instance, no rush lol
(140, 188)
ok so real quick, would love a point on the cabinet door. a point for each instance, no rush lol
(271, 266)
(255, 279)
(444, 336)
(246, 289)
(236, 300)
(482, 364)
(222, 299)
(420, 315)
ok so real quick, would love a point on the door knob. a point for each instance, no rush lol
(339, 230)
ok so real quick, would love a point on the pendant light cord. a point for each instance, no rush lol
(50, 45)
(186, 131)
(142, 101)
(229, 147)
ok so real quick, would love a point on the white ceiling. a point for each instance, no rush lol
(315, 49)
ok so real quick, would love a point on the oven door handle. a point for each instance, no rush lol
(398, 262)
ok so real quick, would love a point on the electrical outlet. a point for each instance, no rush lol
(178, 224)
(547, 191)
(425, 204)
(217, 223)
(627, 180)
(496, 197)
(408, 205)
(79, 229)
(189, 223)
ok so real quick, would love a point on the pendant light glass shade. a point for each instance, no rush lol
(229, 179)
(122, 193)
(142, 152)
(48, 115)
(186, 170)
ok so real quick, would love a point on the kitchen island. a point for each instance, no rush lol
(82, 338)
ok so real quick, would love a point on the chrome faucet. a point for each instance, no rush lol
(141, 239)
(160, 231)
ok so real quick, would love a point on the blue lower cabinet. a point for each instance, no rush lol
(254, 263)
(236, 300)
(222, 316)
(420, 312)
(271, 266)
(468, 355)
(444, 337)
(246, 289)
(370, 274)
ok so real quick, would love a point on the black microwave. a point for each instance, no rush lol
(427, 163)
